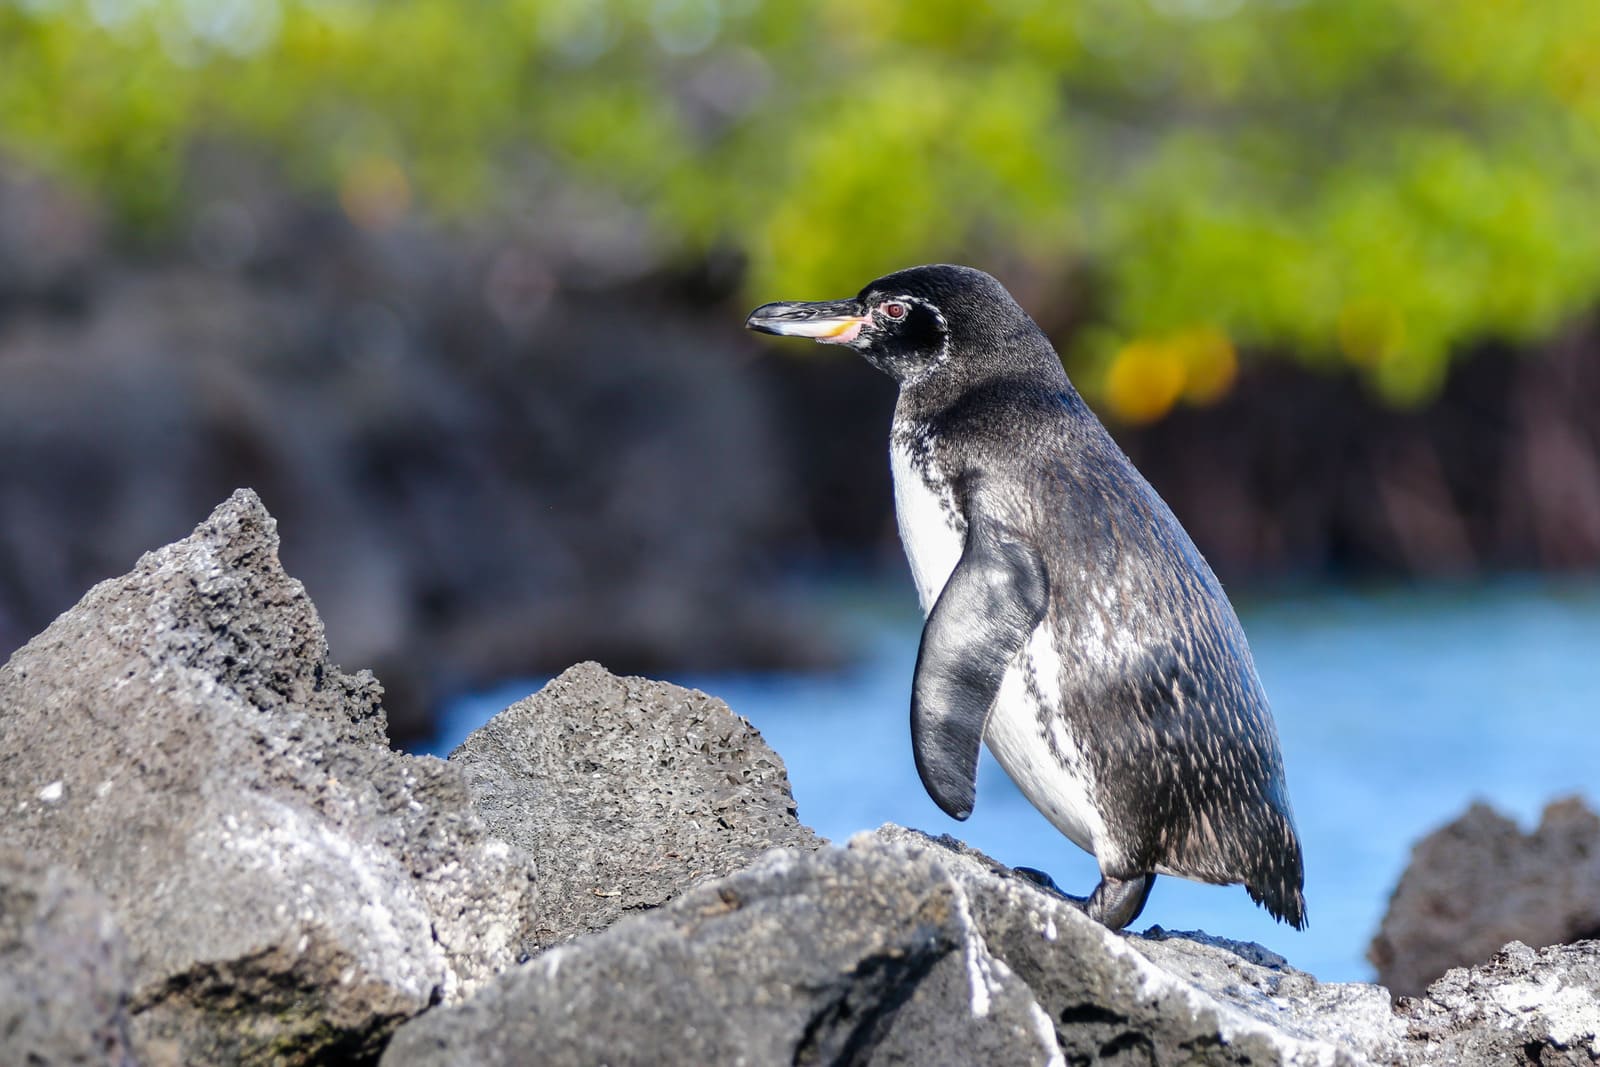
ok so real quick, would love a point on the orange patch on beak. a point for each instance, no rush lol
(844, 332)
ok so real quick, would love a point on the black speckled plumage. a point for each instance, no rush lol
(1145, 695)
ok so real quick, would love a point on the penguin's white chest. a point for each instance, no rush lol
(931, 529)
(1026, 732)
(1037, 746)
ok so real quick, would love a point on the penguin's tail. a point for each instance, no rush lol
(1278, 887)
(1283, 902)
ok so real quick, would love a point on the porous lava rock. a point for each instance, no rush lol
(289, 887)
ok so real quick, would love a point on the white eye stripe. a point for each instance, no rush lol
(914, 301)
(938, 316)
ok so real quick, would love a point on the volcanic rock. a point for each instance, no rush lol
(290, 888)
(1478, 883)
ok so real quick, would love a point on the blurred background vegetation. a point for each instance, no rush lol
(458, 285)
(1379, 183)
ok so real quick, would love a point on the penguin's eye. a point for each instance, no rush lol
(894, 309)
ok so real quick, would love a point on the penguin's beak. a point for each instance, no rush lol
(834, 322)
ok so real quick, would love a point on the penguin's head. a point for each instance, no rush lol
(907, 323)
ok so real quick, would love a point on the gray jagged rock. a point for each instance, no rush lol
(1539, 1007)
(1185, 998)
(210, 854)
(626, 791)
(899, 949)
(1479, 882)
(906, 949)
(1169, 998)
(63, 970)
(289, 887)
(824, 957)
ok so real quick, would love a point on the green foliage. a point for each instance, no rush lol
(1372, 182)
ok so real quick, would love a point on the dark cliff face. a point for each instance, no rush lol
(1302, 473)
(482, 473)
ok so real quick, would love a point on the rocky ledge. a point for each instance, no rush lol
(211, 854)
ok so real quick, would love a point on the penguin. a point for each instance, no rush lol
(1071, 624)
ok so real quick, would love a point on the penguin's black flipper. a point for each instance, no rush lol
(987, 611)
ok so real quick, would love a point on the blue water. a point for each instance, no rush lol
(1396, 709)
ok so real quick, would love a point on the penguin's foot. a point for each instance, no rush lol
(1043, 881)
(1116, 902)
(1048, 884)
